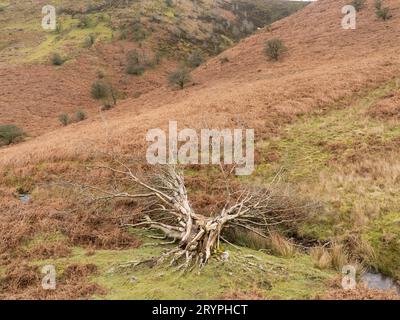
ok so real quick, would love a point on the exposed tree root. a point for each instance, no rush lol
(166, 208)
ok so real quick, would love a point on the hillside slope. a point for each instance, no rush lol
(323, 65)
(95, 37)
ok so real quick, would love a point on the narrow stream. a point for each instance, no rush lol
(24, 198)
(380, 281)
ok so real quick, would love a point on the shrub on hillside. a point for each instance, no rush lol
(103, 89)
(133, 63)
(274, 48)
(99, 89)
(358, 4)
(10, 134)
(195, 59)
(383, 13)
(56, 59)
(89, 41)
(138, 32)
(64, 119)
(180, 77)
(80, 116)
(136, 70)
(84, 22)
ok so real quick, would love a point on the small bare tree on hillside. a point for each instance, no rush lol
(166, 207)
(180, 77)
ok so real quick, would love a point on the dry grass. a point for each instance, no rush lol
(335, 257)
(339, 256)
(322, 258)
(281, 246)
(22, 281)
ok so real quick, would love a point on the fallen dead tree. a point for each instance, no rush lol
(165, 206)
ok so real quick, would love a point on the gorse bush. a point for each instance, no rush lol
(10, 134)
(180, 77)
(274, 49)
(358, 4)
(56, 59)
(64, 119)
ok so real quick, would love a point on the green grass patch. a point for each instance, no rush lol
(281, 278)
(337, 158)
